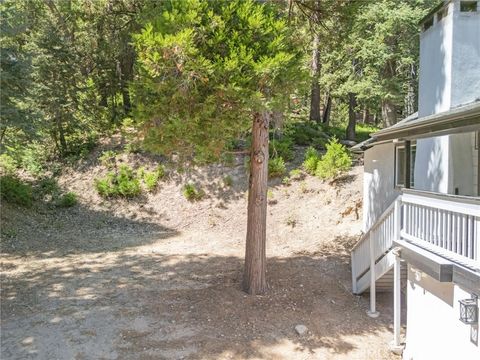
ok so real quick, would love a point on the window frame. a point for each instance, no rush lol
(413, 151)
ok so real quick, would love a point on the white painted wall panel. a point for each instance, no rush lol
(433, 328)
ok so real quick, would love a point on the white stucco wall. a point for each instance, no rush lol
(449, 73)
(434, 330)
(465, 56)
(435, 67)
(462, 164)
(432, 164)
(378, 182)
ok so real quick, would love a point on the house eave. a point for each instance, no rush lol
(465, 118)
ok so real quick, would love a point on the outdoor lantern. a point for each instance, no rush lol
(469, 310)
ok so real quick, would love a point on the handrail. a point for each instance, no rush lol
(448, 203)
(377, 223)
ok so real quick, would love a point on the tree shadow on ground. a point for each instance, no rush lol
(45, 231)
(145, 306)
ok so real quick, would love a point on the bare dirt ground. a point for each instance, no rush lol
(159, 277)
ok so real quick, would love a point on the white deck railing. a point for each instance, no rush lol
(377, 241)
(446, 225)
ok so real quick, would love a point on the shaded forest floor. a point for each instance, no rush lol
(159, 277)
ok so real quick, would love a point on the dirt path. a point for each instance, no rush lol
(110, 281)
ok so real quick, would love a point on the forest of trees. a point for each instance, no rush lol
(191, 76)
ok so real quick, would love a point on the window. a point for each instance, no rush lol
(401, 166)
(428, 23)
(468, 6)
(442, 13)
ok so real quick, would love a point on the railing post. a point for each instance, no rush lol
(396, 345)
(372, 312)
(354, 274)
(397, 218)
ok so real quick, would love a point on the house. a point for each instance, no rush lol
(422, 197)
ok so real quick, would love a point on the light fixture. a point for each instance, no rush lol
(469, 310)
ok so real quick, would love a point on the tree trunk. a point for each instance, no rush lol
(352, 119)
(61, 137)
(327, 110)
(127, 104)
(366, 116)
(315, 91)
(389, 113)
(254, 279)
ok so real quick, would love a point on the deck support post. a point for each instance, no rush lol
(396, 345)
(373, 311)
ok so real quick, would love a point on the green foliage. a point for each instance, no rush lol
(108, 158)
(295, 174)
(151, 178)
(286, 181)
(8, 165)
(310, 152)
(310, 164)
(191, 193)
(311, 157)
(276, 167)
(124, 183)
(67, 200)
(228, 180)
(206, 67)
(282, 147)
(363, 131)
(336, 161)
(305, 133)
(48, 186)
(13, 190)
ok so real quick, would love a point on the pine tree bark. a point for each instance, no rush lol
(327, 110)
(352, 119)
(254, 279)
(389, 113)
(315, 91)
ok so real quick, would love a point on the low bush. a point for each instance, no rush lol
(282, 147)
(123, 183)
(191, 193)
(13, 190)
(276, 167)
(108, 158)
(7, 165)
(48, 186)
(310, 164)
(295, 174)
(305, 133)
(336, 161)
(228, 180)
(310, 152)
(67, 200)
(151, 178)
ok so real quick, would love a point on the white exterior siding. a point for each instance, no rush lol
(435, 68)
(462, 164)
(466, 56)
(378, 182)
(449, 61)
(431, 164)
(433, 328)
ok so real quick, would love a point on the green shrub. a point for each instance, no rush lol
(281, 148)
(304, 133)
(151, 178)
(276, 167)
(191, 193)
(311, 152)
(123, 183)
(48, 186)
(228, 180)
(32, 158)
(336, 161)
(108, 158)
(286, 181)
(67, 200)
(228, 159)
(295, 174)
(13, 190)
(7, 164)
(310, 164)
